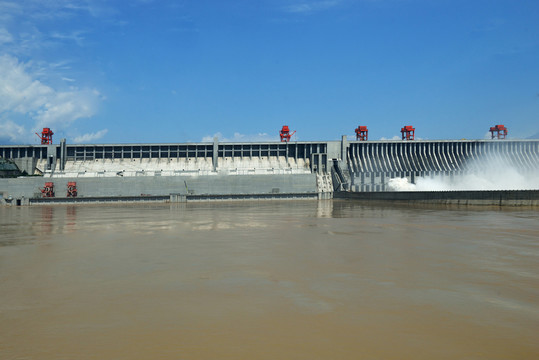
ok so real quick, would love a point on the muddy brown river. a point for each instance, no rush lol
(268, 280)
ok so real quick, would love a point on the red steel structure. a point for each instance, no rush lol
(362, 133)
(408, 132)
(46, 136)
(498, 131)
(48, 190)
(285, 134)
(71, 189)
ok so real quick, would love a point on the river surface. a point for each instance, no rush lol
(268, 280)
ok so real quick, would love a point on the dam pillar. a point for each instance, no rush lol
(215, 152)
(62, 154)
(344, 149)
(51, 157)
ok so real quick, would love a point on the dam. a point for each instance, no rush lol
(316, 169)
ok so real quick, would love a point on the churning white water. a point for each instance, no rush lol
(489, 175)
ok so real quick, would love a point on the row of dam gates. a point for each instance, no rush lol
(294, 167)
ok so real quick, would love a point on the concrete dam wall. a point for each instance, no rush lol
(320, 167)
(164, 169)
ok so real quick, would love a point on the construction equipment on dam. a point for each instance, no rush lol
(362, 133)
(46, 136)
(408, 132)
(498, 132)
(285, 134)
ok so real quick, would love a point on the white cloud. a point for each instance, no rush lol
(237, 137)
(5, 36)
(53, 9)
(306, 7)
(35, 104)
(396, 137)
(75, 36)
(91, 137)
(11, 132)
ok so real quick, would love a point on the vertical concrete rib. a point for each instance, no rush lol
(440, 155)
(395, 156)
(428, 160)
(517, 149)
(400, 152)
(450, 155)
(391, 157)
(354, 152)
(534, 151)
(381, 156)
(367, 156)
(354, 155)
(526, 150)
(372, 162)
(375, 157)
(516, 154)
(406, 146)
(380, 153)
(360, 152)
(459, 154)
(416, 156)
(433, 160)
(387, 160)
(419, 154)
(432, 155)
(368, 148)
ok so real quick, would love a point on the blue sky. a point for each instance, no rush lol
(98, 71)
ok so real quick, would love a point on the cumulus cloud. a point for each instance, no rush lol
(35, 104)
(90, 137)
(237, 137)
(9, 131)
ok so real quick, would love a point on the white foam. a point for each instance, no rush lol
(481, 175)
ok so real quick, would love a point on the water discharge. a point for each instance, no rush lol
(268, 280)
(490, 174)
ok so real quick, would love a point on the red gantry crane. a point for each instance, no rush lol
(408, 132)
(498, 131)
(46, 136)
(362, 133)
(285, 134)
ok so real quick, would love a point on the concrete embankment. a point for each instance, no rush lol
(495, 197)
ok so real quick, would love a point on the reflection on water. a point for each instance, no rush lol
(267, 280)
